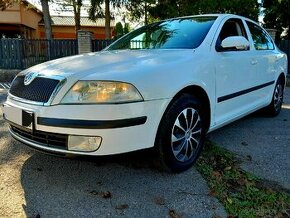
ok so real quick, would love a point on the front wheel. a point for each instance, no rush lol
(181, 134)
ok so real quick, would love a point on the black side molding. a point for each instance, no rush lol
(91, 124)
(236, 94)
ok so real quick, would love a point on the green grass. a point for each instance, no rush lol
(241, 193)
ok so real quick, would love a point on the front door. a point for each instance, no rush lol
(235, 75)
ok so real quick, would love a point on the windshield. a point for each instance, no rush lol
(183, 33)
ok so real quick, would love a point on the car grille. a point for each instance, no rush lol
(39, 90)
(51, 140)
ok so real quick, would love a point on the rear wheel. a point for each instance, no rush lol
(181, 134)
(277, 100)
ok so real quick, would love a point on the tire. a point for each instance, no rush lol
(274, 108)
(178, 142)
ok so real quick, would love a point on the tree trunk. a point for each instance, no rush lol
(107, 20)
(146, 14)
(46, 18)
(77, 15)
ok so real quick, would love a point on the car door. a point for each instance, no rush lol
(266, 57)
(235, 74)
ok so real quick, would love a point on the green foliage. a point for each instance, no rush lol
(119, 30)
(96, 11)
(277, 16)
(248, 8)
(163, 9)
(7, 3)
(140, 8)
(127, 28)
(242, 194)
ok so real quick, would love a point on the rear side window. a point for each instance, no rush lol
(262, 40)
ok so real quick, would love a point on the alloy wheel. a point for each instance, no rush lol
(278, 96)
(186, 134)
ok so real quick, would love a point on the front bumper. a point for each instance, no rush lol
(122, 127)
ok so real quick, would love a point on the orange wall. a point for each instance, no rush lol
(20, 14)
(30, 17)
(68, 32)
(11, 15)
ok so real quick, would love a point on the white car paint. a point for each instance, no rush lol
(158, 75)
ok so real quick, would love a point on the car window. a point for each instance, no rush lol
(262, 40)
(232, 27)
(181, 33)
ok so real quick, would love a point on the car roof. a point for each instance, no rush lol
(221, 16)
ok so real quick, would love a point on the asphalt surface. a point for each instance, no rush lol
(37, 184)
(34, 184)
(262, 143)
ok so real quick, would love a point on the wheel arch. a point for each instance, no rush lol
(197, 92)
(282, 77)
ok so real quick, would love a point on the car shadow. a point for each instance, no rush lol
(117, 185)
(8, 150)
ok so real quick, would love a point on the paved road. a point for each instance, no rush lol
(32, 183)
(262, 143)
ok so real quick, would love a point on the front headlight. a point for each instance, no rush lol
(101, 92)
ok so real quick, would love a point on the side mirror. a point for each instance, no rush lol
(235, 43)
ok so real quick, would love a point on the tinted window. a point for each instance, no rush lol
(261, 39)
(185, 33)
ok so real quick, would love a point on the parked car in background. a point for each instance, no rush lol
(164, 85)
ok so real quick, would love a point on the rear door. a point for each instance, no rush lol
(266, 57)
(235, 74)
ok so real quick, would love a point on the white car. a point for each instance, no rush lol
(164, 85)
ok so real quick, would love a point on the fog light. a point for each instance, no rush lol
(84, 143)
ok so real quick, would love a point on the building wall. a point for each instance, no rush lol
(11, 15)
(22, 19)
(68, 32)
(25, 22)
(30, 18)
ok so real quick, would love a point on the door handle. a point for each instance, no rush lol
(254, 62)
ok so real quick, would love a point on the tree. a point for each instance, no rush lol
(119, 30)
(96, 11)
(141, 8)
(75, 6)
(127, 28)
(163, 9)
(46, 18)
(277, 13)
(6, 4)
(107, 19)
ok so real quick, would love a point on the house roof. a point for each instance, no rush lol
(31, 6)
(85, 21)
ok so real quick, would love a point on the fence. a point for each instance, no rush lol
(24, 53)
(99, 45)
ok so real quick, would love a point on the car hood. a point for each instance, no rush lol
(100, 65)
(145, 69)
